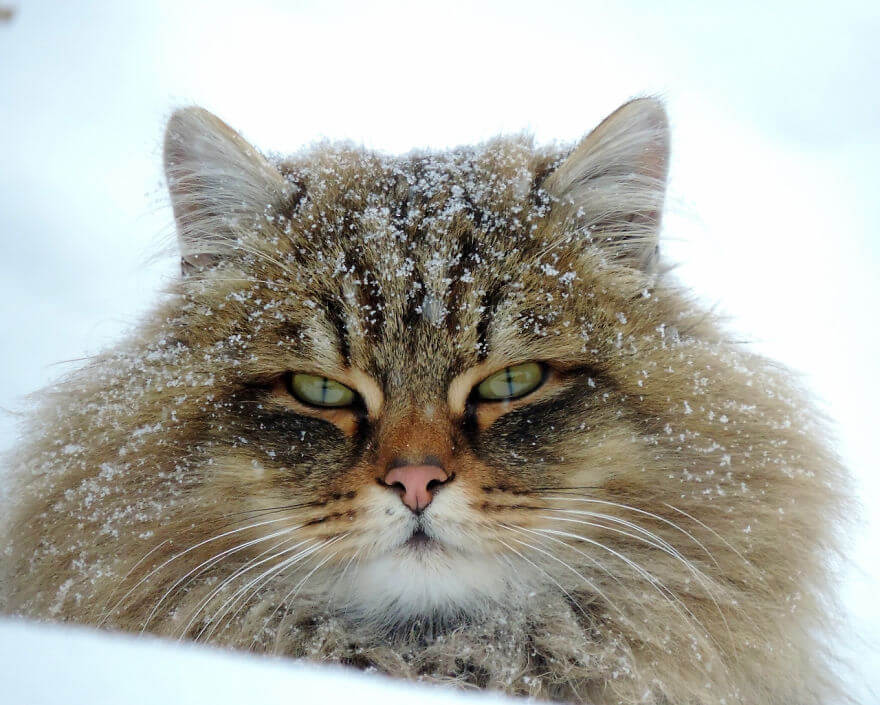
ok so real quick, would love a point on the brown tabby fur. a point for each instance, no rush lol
(653, 524)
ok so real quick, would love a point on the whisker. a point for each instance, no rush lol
(590, 558)
(567, 487)
(353, 558)
(205, 601)
(655, 582)
(179, 555)
(537, 567)
(717, 535)
(133, 568)
(264, 509)
(213, 561)
(645, 513)
(702, 579)
(592, 585)
(652, 540)
(297, 587)
(255, 513)
(265, 577)
(650, 537)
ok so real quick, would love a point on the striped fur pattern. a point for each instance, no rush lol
(651, 525)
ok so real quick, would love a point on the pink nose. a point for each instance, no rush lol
(417, 481)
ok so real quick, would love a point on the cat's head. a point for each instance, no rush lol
(408, 354)
(445, 391)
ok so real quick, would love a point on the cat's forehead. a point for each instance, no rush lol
(418, 262)
(425, 204)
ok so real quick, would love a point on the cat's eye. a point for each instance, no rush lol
(320, 391)
(511, 382)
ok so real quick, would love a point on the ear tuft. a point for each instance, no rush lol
(219, 184)
(613, 184)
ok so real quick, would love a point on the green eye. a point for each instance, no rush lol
(320, 391)
(511, 382)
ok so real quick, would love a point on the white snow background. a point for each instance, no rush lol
(775, 110)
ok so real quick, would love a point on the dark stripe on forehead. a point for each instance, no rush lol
(467, 247)
(415, 301)
(370, 300)
(489, 303)
(336, 316)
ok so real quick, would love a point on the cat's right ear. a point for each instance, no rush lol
(220, 186)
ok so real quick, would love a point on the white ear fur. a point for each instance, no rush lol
(219, 184)
(614, 182)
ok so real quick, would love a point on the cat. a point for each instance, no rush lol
(446, 416)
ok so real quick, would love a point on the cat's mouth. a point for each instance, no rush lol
(420, 541)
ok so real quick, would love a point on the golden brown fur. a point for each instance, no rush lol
(653, 524)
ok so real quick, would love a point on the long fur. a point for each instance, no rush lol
(654, 524)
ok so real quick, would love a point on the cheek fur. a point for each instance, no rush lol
(588, 427)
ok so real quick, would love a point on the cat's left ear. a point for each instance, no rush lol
(612, 186)
(220, 185)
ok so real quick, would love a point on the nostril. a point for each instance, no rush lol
(415, 483)
(437, 482)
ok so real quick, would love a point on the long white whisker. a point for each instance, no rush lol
(650, 536)
(205, 601)
(645, 513)
(660, 544)
(590, 558)
(652, 580)
(130, 571)
(181, 554)
(297, 587)
(702, 579)
(537, 567)
(351, 560)
(242, 593)
(717, 535)
(214, 560)
(592, 585)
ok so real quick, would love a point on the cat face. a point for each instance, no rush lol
(442, 415)
(410, 354)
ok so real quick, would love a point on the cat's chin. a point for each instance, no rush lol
(422, 578)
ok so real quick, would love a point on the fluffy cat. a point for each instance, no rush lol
(446, 416)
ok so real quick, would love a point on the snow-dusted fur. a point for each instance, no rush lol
(652, 524)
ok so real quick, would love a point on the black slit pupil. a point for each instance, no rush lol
(509, 378)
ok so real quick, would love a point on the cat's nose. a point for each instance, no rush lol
(416, 483)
